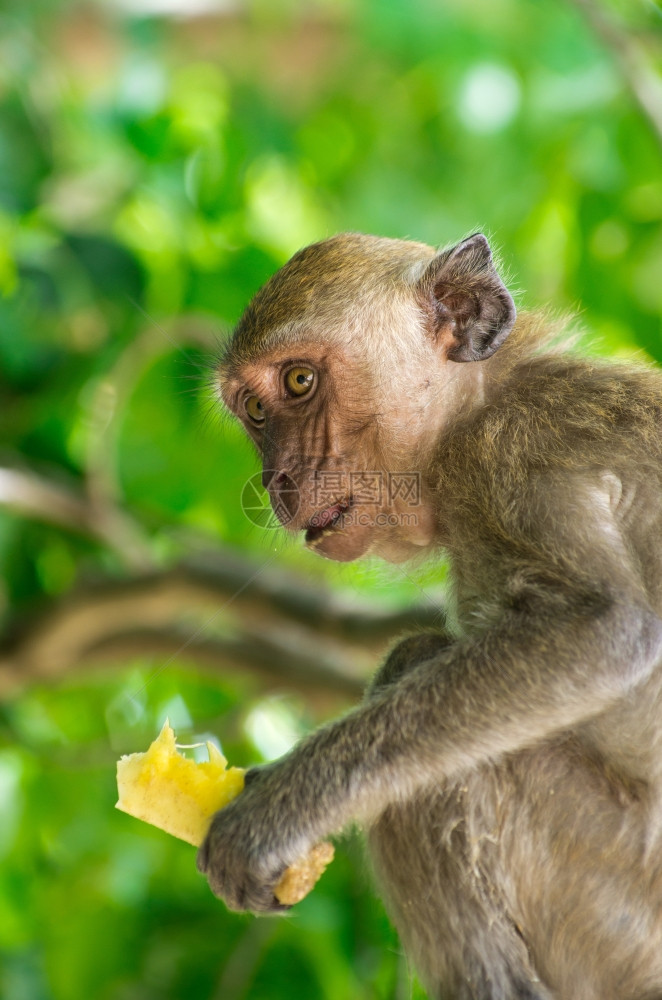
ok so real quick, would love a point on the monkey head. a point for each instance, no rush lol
(344, 370)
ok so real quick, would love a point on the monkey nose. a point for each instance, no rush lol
(272, 479)
(283, 493)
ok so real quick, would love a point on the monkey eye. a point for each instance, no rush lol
(254, 409)
(299, 381)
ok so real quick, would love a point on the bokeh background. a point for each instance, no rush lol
(158, 160)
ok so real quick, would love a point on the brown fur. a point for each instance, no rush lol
(508, 768)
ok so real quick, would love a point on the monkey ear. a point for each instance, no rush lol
(472, 311)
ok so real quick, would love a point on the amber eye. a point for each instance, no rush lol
(254, 409)
(299, 381)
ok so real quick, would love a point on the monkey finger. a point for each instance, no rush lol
(202, 857)
(244, 892)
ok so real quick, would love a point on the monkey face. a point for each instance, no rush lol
(330, 465)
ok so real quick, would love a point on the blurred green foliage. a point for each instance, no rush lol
(154, 170)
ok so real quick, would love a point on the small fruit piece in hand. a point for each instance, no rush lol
(299, 878)
(180, 796)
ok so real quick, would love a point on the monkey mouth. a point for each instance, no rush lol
(326, 522)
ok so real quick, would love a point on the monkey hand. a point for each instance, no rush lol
(249, 846)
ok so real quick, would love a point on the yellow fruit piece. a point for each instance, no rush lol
(173, 792)
(297, 880)
(180, 796)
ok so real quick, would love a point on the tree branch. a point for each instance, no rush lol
(275, 664)
(207, 612)
(34, 496)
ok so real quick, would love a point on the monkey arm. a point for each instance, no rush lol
(518, 682)
(542, 668)
(573, 633)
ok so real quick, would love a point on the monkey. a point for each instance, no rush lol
(507, 765)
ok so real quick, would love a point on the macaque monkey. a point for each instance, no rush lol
(508, 767)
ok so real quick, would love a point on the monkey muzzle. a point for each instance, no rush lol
(326, 521)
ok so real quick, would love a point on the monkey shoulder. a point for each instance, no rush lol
(561, 410)
(557, 477)
(554, 418)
